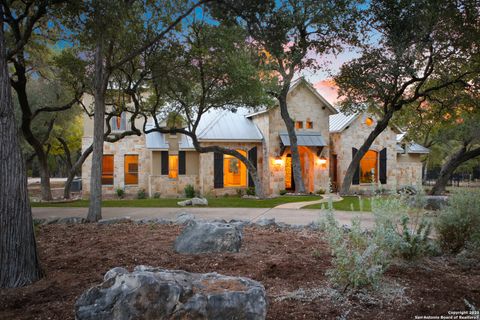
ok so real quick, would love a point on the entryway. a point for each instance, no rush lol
(307, 163)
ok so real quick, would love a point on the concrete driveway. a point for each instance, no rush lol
(286, 215)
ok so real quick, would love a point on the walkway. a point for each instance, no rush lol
(299, 205)
(290, 216)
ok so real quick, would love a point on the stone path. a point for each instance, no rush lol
(299, 205)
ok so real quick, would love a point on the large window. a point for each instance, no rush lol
(131, 169)
(369, 167)
(173, 166)
(107, 170)
(234, 171)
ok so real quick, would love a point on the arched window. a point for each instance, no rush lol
(369, 167)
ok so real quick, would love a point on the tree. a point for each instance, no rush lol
(417, 48)
(292, 35)
(29, 54)
(211, 67)
(115, 33)
(19, 263)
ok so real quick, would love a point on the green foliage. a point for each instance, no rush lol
(240, 192)
(359, 259)
(283, 192)
(458, 223)
(156, 195)
(141, 194)
(250, 191)
(120, 193)
(189, 191)
(320, 191)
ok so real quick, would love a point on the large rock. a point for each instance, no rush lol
(193, 202)
(150, 293)
(203, 237)
(184, 218)
(436, 202)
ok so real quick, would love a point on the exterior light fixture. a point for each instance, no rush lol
(322, 161)
(278, 161)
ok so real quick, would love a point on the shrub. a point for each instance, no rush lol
(156, 195)
(250, 191)
(358, 260)
(141, 194)
(320, 191)
(120, 193)
(410, 241)
(283, 192)
(458, 223)
(189, 191)
(239, 192)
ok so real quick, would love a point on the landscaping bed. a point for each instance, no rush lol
(75, 257)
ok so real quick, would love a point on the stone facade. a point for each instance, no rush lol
(318, 164)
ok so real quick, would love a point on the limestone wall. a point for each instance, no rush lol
(353, 137)
(409, 169)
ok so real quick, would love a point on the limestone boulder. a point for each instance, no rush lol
(206, 237)
(150, 293)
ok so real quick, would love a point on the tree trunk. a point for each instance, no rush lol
(95, 208)
(296, 167)
(19, 265)
(73, 171)
(379, 128)
(449, 167)
(20, 86)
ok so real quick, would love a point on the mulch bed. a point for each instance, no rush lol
(75, 257)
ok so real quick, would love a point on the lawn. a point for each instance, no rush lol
(221, 202)
(346, 204)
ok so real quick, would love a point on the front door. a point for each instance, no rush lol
(289, 181)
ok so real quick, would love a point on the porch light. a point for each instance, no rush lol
(278, 161)
(322, 161)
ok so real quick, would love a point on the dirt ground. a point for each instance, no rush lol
(76, 257)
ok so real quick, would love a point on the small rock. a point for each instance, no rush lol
(150, 293)
(185, 203)
(151, 221)
(199, 201)
(265, 222)
(436, 202)
(209, 237)
(184, 218)
(71, 220)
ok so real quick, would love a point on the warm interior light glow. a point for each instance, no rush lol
(131, 169)
(234, 171)
(368, 167)
(278, 161)
(173, 166)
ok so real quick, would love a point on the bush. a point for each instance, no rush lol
(141, 194)
(410, 241)
(120, 193)
(156, 195)
(189, 191)
(320, 191)
(283, 192)
(458, 223)
(250, 191)
(358, 260)
(240, 192)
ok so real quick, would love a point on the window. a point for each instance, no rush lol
(298, 124)
(369, 121)
(119, 123)
(131, 169)
(234, 171)
(309, 125)
(173, 166)
(107, 170)
(369, 167)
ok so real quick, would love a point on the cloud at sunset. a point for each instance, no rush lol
(328, 89)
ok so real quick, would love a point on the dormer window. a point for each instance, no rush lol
(309, 125)
(298, 124)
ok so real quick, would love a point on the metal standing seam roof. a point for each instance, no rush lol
(157, 140)
(308, 139)
(338, 122)
(414, 147)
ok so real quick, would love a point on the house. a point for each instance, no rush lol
(165, 164)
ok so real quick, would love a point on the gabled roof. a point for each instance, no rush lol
(414, 147)
(294, 84)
